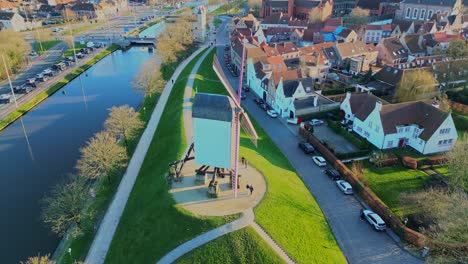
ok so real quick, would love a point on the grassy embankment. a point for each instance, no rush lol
(152, 224)
(288, 212)
(230, 8)
(83, 28)
(242, 246)
(52, 89)
(46, 45)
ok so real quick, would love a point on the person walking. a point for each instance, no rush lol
(172, 81)
(251, 189)
(243, 161)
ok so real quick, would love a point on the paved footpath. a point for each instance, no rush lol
(248, 216)
(102, 240)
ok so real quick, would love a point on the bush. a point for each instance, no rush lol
(436, 160)
(436, 181)
(409, 162)
(338, 91)
(461, 122)
(459, 96)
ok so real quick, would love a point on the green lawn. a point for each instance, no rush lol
(242, 246)
(288, 212)
(389, 182)
(46, 45)
(87, 26)
(152, 224)
(216, 21)
(69, 51)
(167, 8)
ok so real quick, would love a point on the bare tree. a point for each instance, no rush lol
(38, 260)
(415, 85)
(15, 49)
(123, 120)
(101, 156)
(67, 205)
(359, 16)
(149, 79)
(315, 16)
(176, 38)
(457, 162)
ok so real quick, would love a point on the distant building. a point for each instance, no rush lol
(343, 7)
(88, 11)
(425, 9)
(297, 8)
(12, 21)
(418, 125)
(199, 24)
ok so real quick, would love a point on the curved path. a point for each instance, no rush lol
(102, 240)
(248, 216)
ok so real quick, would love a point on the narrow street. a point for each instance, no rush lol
(359, 242)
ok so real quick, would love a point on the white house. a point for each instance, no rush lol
(12, 21)
(420, 125)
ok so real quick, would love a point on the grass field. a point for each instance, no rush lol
(46, 45)
(288, 212)
(152, 224)
(24, 108)
(85, 27)
(389, 182)
(242, 246)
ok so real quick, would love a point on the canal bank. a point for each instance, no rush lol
(56, 129)
(41, 96)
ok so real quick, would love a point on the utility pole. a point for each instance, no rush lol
(9, 80)
(71, 35)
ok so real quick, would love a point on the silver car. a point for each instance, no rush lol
(374, 220)
(344, 186)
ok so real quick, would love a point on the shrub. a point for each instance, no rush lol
(409, 162)
(461, 122)
(338, 91)
(436, 160)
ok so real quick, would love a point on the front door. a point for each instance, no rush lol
(291, 114)
(264, 96)
(401, 143)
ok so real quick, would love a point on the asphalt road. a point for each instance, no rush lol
(358, 241)
(39, 64)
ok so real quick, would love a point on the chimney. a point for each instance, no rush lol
(378, 105)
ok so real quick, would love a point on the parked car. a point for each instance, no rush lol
(257, 100)
(306, 147)
(5, 99)
(61, 66)
(243, 96)
(333, 174)
(31, 82)
(245, 88)
(344, 186)
(80, 55)
(374, 220)
(272, 113)
(316, 122)
(48, 72)
(70, 58)
(23, 89)
(33, 53)
(319, 160)
(41, 77)
(264, 107)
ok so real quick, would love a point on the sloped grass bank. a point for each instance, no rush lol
(152, 224)
(242, 246)
(288, 212)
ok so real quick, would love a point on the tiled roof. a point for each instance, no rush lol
(449, 3)
(444, 37)
(389, 75)
(277, 64)
(287, 47)
(212, 106)
(404, 25)
(412, 42)
(394, 47)
(6, 15)
(307, 3)
(86, 7)
(350, 49)
(286, 75)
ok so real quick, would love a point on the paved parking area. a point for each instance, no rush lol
(339, 143)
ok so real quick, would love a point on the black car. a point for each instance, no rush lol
(333, 174)
(256, 100)
(264, 107)
(306, 147)
(243, 96)
(245, 89)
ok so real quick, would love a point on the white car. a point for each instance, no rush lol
(272, 113)
(33, 53)
(316, 122)
(373, 219)
(344, 186)
(320, 161)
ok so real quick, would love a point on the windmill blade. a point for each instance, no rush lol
(219, 71)
(248, 128)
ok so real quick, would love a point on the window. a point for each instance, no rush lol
(359, 129)
(444, 131)
(407, 129)
(366, 134)
(415, 13)
(400, 130)
(377, 129)
(408, 12)
(450, 141)
(440, 142)
(429, 14)
(389, 143)
(422, 14)
(420, 142)
(370, 124)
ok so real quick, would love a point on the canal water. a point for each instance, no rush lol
(56, 130)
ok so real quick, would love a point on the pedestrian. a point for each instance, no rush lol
(243, 161)
(172, 81)
(251, 189)
(247, 187)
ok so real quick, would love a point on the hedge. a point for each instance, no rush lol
(338, 91)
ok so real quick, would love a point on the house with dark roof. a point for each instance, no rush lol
(299, 9)
(88, 11)
(419, 125)
(357, 55)
(391, 51)
(379, 7)
(424, 9)
(12, 21)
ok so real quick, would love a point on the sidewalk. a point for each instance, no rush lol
(102, 240)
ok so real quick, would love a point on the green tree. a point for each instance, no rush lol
(458, 49)
(101, 156)
(67, 205)
(359, 16)
(15, 49)
(123, 121)
(38, 260)
(457, 162)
